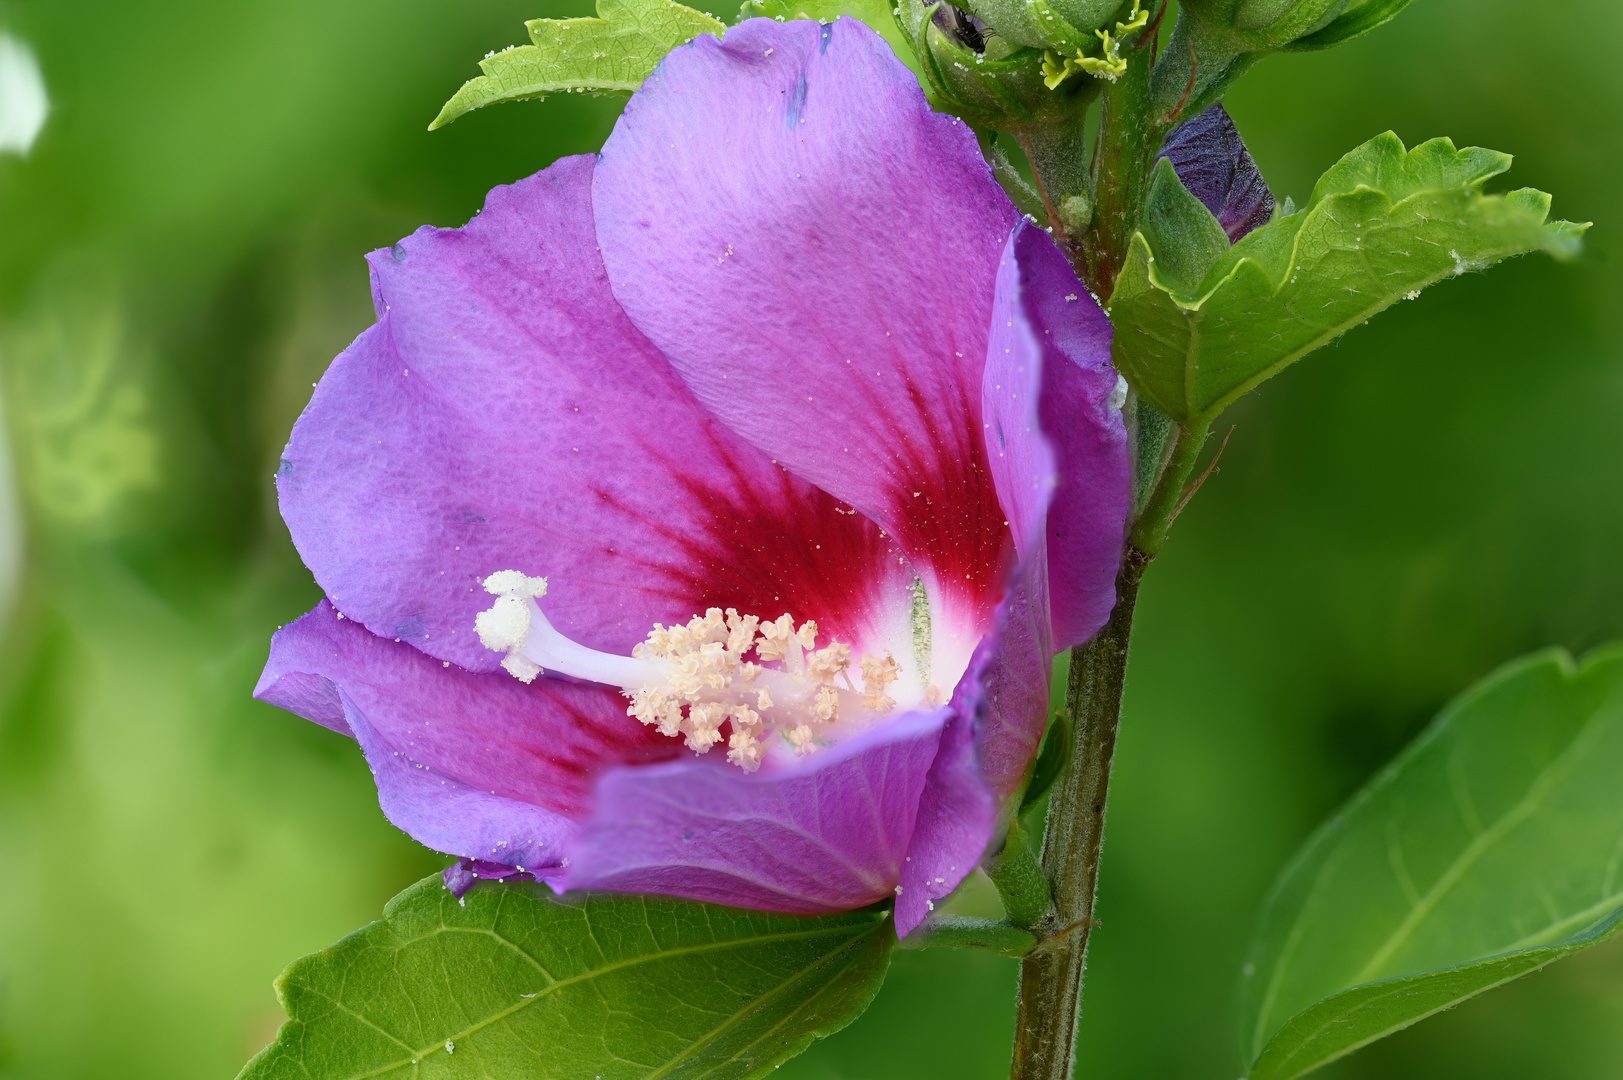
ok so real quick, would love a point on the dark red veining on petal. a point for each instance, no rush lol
(946, 507)
(769, 547)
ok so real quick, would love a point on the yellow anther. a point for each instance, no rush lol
(878, 674)
(744, 751)
(801, 739)
(740, 631)
(773, 643)
(827, 706)
(827, 663)
(701, 681)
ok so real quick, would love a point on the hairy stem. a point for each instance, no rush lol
(1128, 137)
(1051, 977)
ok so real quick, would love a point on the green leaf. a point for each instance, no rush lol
(1491, 847)
(878, 14)
(517, 983)
(612, 53)
(1383, 224)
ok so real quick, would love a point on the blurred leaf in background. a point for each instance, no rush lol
(182, 257)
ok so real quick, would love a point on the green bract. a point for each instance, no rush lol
(612, 53)
(516, 983)
(1487, 850)
(1199, 323)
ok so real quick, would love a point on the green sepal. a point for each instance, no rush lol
(1352, 24)
(1018, 875)
(1186, 237)
(1383, 224)
(514, 982)
(1196, 70)
(611, 54)
(1487, 850)
(969, 932)
(879, 15)
(1051, 759)
(1262, 25)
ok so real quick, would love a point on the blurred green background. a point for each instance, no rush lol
(180, 256)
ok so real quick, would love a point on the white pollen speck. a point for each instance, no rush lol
(1069, 297)
(450, 1047)
(898, 890)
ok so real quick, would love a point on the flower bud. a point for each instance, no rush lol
(985, 78)
(1216, 41)
(1043, 25)
(1263, 25)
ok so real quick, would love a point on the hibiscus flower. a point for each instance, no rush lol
(703, 517)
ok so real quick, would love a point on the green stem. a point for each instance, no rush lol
(1150, 530)
(1129, 136)
(1058, 154)
(1051, 976)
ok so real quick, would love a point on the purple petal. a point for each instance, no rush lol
(1087, 514)
(957, 813)
(441, 812)
(540, 746)
(1011, 685)
(1213, 163)
(504, 414)
(828, 835)
(1020, 459)
(461, 875)
(815, 249)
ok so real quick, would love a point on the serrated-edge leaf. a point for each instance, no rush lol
(835, 983)
(1383, 164)
(1142, 282)
(1308, 1038)
(612, 53)
(881, 16)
